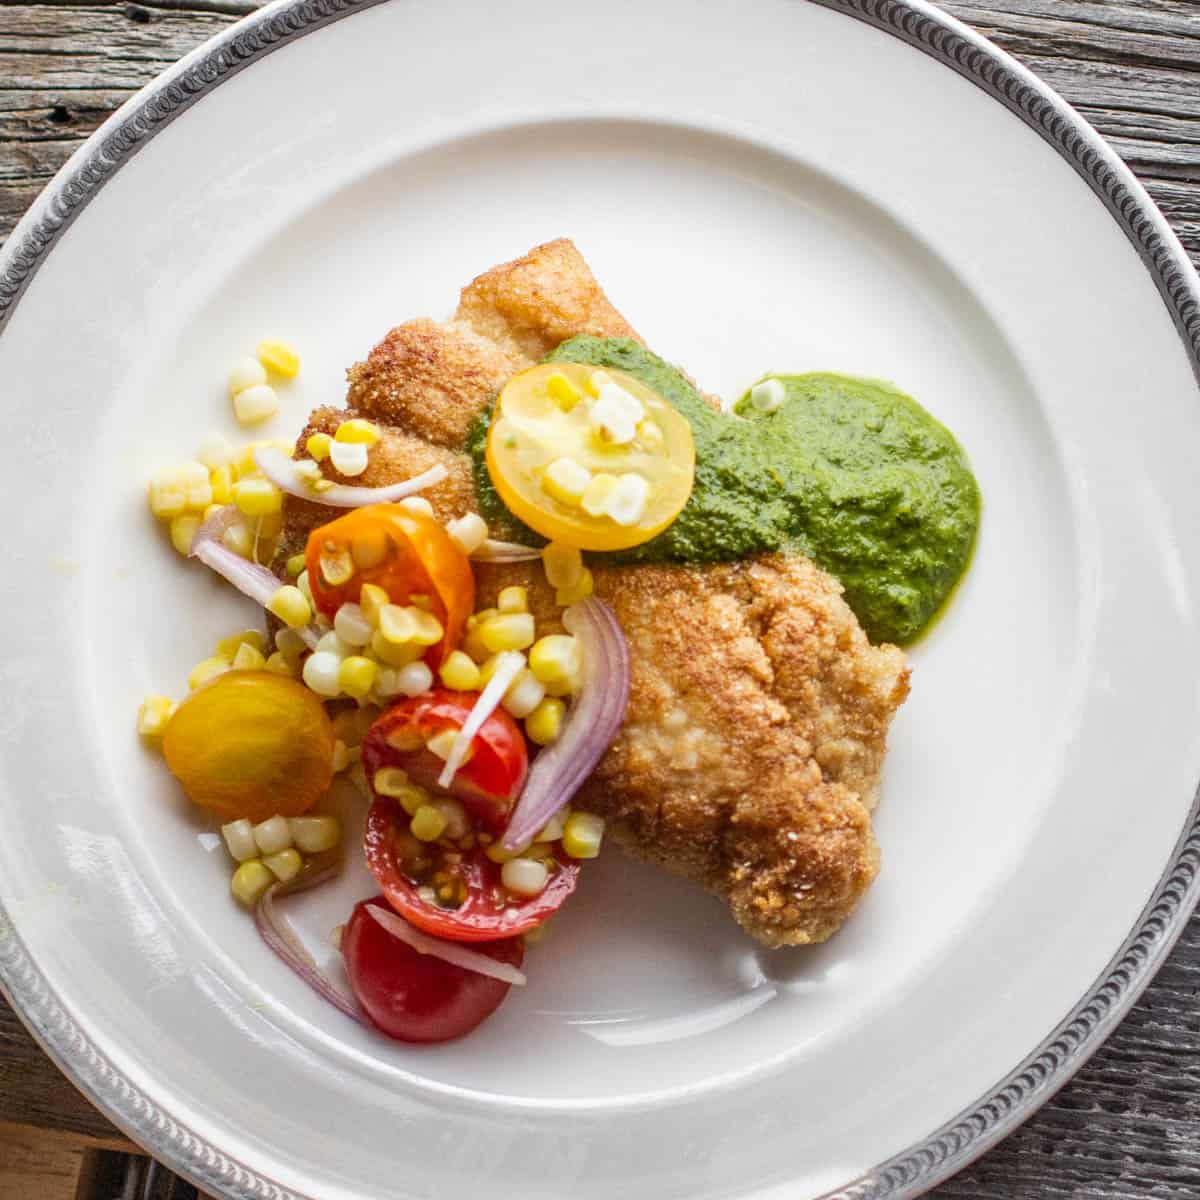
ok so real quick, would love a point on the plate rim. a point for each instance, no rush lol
(1065, 1049)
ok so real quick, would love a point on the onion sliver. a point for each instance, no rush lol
(595, 718)
(505, 552)
(451, 952)
(249, 578)
(509, 666)
(281, 471)
(280, 938)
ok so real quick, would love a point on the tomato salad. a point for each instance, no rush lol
(466, 730)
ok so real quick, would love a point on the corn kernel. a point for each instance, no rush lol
(227, 647)
(290, 644)
(255, 404)
(332, 644)
(556, 660)
(391, 781)
(210, 668)
(183, 530)
(295, 565)
(290, 606)
(369, 548)
(167, 493)
(216, 451)
(249, 882)
(417, 504)
(318, 445)
(337, 567)
(357, 430)
(238, 539)
(239, 838)
(211, 511)
(473, 646)
(248, 658)
(626, 503)
(269, 526)
(428, 824)
(352, 625)
(496, 852)
(257, 497)
(356, 676)
(442, 743)
(220, 481)
(523, 695)
(285, 865)
(552, 831)
(487, 668)
(412, 798)
(305, 588)
(565, 597)
(507, 631)
(153, 715)
(246, 373)
(394, 655)
(455, 815)
(278, 356)
(272, 835)
(566, 481)
(312, 835)
(651, 434)
(513, 600)
(341, 757)
(459, 672)
(563, 565)
(595, 497)
(279, 663)
(414, 679)
(371, 600)
(562, 391)
(321, 671)
(349, 458)
(308, 472)
(403, 625)
(583, 834)
(524, 877)
(544, 724)
(468, 532)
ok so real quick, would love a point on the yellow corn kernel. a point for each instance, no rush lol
(562, 391)
(278, 356)
(210, 668)
(295, 565)
(487, 669)
(498, 854)
(167, 494)
(460, 672)
(422, 601)
(318, 445)
(392, 654)
(211, 511)
(583, 834)
(555, 660)
(357, 430)
(248, 658)
(594, 500)
(257, 497)
(572, 595)
(285, 865)
(356, 675)
(513, 600)
(650, 434)
(312, 835)
(369, 549)
(220, 480)
(227, 647)
(507, 631)
(563, 565)
(337, 567)
(442, 743)
(544, 724)
(183, 529)
(391, 781)
(566, 480)
(239, 539)
(524, 877)
(249, 882)
(372, 599)
(473, 645)
(290, 644)
(401, 626)
(290, 606)
(153, 715)
(411, 798)
(280, 664)
(270, 526)
(523, 696)
(428, 824)
(468, 532)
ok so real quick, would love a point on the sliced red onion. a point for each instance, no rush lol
(249, 578)
(282, 472)
(596, 715)
(280, 938)
(509, 666)
(451, 952)
(493, 551)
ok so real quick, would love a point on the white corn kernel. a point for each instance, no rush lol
(248, 658)
(552, 831)
(524, 876)
(285, 865)
(272, 835)
(414, 679)
(563, 565)
(239, 838)
(321, 673)
(183, 531)
(247, 373)
(767, 396)
(349, 458)
(330, 643)
(525, 694)
(217, 451)
(615, 414)
(289, 643)
(312, 835)
(627, 501)
(352, 626)
(565, 480)
(255, 404)
(417, 504)
(469, 532)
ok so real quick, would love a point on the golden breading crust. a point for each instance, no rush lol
(758, 716)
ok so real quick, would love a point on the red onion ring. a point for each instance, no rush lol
(281, 471)
(595, 718)
(451, 952)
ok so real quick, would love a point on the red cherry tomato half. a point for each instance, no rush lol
(400, 864)
(416, 997)
(487, 783)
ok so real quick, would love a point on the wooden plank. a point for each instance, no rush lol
(38, 1166)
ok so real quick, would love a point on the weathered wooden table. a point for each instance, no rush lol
(1129, 1125)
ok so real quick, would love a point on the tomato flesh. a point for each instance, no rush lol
(416, 997)
(406, 553)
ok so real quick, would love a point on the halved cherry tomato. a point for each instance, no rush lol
(487, 783)
(488, 911)
(560, 468)
(416, 997)
(404, 552)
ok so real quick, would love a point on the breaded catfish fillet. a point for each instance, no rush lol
(750, 755)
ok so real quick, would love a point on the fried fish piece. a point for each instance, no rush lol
(750, 755)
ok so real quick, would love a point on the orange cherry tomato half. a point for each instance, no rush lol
(487, 912)
(487, 783)
(404, 552)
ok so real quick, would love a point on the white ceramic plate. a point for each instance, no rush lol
(765, 185)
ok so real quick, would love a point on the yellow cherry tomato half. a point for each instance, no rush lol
(251, 744)
(588, 456)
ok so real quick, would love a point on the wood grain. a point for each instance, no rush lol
(40, 1165)
(1129, 1125)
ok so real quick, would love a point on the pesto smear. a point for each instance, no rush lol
(850, 472)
